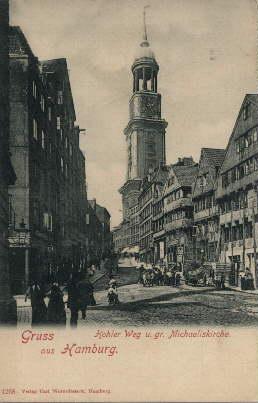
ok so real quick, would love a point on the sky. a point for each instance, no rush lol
(206, 50)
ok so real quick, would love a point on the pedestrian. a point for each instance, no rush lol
(73, 299)
(112, 281)
(141, 271)
(56, 309)
(112, 295)
(177, 279)
(39, 309)
(242, 280)
(173, 278)
(85, 290)
(222, 281)
(169, 278)
(204, 279)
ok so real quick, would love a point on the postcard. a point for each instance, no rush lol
(128, 201)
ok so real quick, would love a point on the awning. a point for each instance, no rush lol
(134, 249)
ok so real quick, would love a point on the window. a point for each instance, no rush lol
(45, 220)
(42, 103)
(225, 181)
(209, 202)
(255, 136)
(151, 148)
(255, 163)
(61, 134)
(60, 97)
(237, 147)
(71, 150)
(202, 181)
(246, 167)
(34, 89)
(241, 171)
(248, 229)
(48, 222)
(49, 113)
(87, 219)
(62, 164)
(66, 142)
(58, 122)
(171, 181)
(35, 129)
(43, 139)
(233, 175)
(237, 173)
(246, 111)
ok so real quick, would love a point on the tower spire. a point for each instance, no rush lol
(145, 36)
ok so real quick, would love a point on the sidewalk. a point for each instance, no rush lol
(238, 289)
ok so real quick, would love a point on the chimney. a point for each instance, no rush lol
(188, 161)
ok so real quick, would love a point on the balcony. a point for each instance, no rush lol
(238, 245)
(181, 223)
(158, 234)
(175, 204)
(237, 215)
(209, 212)
(237, 185)
(157, 216)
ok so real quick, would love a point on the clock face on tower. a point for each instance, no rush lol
(149, 106)
(145, 106)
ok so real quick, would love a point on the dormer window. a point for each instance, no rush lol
(246, 111)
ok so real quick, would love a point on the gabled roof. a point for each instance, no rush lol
(210, 162)
(159, 175)
(59, 66)
(214, 155)
(185, 174)
(253, 98)
(18, 44)
(240, 127)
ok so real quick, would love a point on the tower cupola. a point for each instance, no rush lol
(145, 68)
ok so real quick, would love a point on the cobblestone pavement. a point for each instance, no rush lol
(221, 308)
(180, 307)
(162, 305)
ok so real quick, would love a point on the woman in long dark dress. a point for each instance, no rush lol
(73, 299)
(39, 309)
(56, 309)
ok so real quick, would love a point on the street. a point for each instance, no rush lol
(164, 305)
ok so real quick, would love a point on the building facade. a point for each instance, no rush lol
(47, 236)
(7, 175)
(159, 235)
(236, 195)
(178, 212)
(206, 211)
(151, 188)
(94, 234)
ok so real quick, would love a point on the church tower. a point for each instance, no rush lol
(145, 132)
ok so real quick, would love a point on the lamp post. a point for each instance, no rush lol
(24, 241)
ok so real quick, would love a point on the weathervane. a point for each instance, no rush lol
(145, 38)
